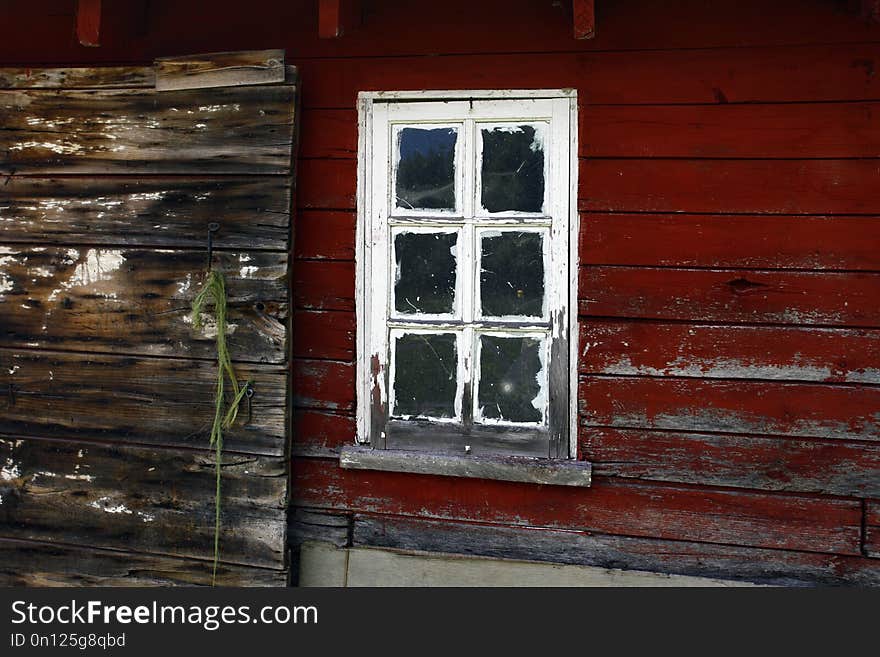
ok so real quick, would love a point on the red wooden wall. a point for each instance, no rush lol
(730, 266)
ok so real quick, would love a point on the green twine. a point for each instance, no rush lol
(215, 290)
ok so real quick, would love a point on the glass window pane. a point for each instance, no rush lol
(425, 375)
(512, 377)
(424, 280)
(513, 168)
(512, 273)
(426, 168)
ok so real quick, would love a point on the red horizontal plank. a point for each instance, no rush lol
(743, 407)
(326, 184)
(323, 334)
(322, 234)
(323, 285)
(320, 431)
(328, 133)
(731, 186)
(718, 75)
(827, 130)
(659, 511)
(326, 384)
(753, 241)
(730, 352)
(782, 464)
(822, 298)
(872, 529)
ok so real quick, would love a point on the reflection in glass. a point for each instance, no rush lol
(425, 375)
(512, 274)
(425, 275)
(513, 168)
(511, 377)
(426, 168)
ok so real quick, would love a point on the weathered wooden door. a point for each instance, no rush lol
(109, 180)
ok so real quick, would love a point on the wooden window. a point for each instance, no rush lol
(467, 272)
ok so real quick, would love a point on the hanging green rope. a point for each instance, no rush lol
(215, 290)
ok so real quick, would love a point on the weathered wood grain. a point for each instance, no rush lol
(253, 213)
(733, 295)
(325, 235)
(643, 348)
(750, 241)
(840, 412)
(775, 131)
(155, 401)
(323, 285)
(775, 567)
(243, 130)
(144, 500)
(311, 525)
(317, 431)
(324, 334)
(730, 186)
(219, 69)
(785, 521)
(544, 471)
(139, 301)
(99, 77)
(324, 384)
(31, 564)
(872, 529)
(827, 467)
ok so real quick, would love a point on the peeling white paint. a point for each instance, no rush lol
(103, 504)
(10, 470)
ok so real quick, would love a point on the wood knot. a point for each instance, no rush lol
(744, 286)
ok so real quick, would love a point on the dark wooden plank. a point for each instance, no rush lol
(715, 75)
(752, 241)
(26, 563)
(321, 432)
(220, 69)
(253, 213)
(324, 384)
(328, 133)
(101, 77)
(544, 471)
(730, 352)
(311, 525)
(872, 529)
(821, 130)
(774, 567)
(325, 235)
(139, 302)
(244, 130)
(144, 500)
(747, 296)
(326, 184)
(785, 521)
(324, 334)
(742, 186)
(827, 467)
(323, 285)
(746, 407)
(156, 401)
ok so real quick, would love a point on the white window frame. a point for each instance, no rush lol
(559, 106)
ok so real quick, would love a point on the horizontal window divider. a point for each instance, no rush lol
(544, 471)
(479, 326)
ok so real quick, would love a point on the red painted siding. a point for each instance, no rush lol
(730, 277)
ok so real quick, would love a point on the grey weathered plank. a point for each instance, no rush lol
(243, 130)
(220, 69)
(779, 567)
(156, 401)
(139, 301)
(782, 464)
(104, 77)
(554, 472)
(144, 500)
(872, 528)
(253, 212)
(28, 563)
(311, 525)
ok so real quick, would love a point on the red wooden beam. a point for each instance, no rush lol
(337, 17)
(584, 19)
(88, 22)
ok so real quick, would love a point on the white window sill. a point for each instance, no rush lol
(551, 472)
